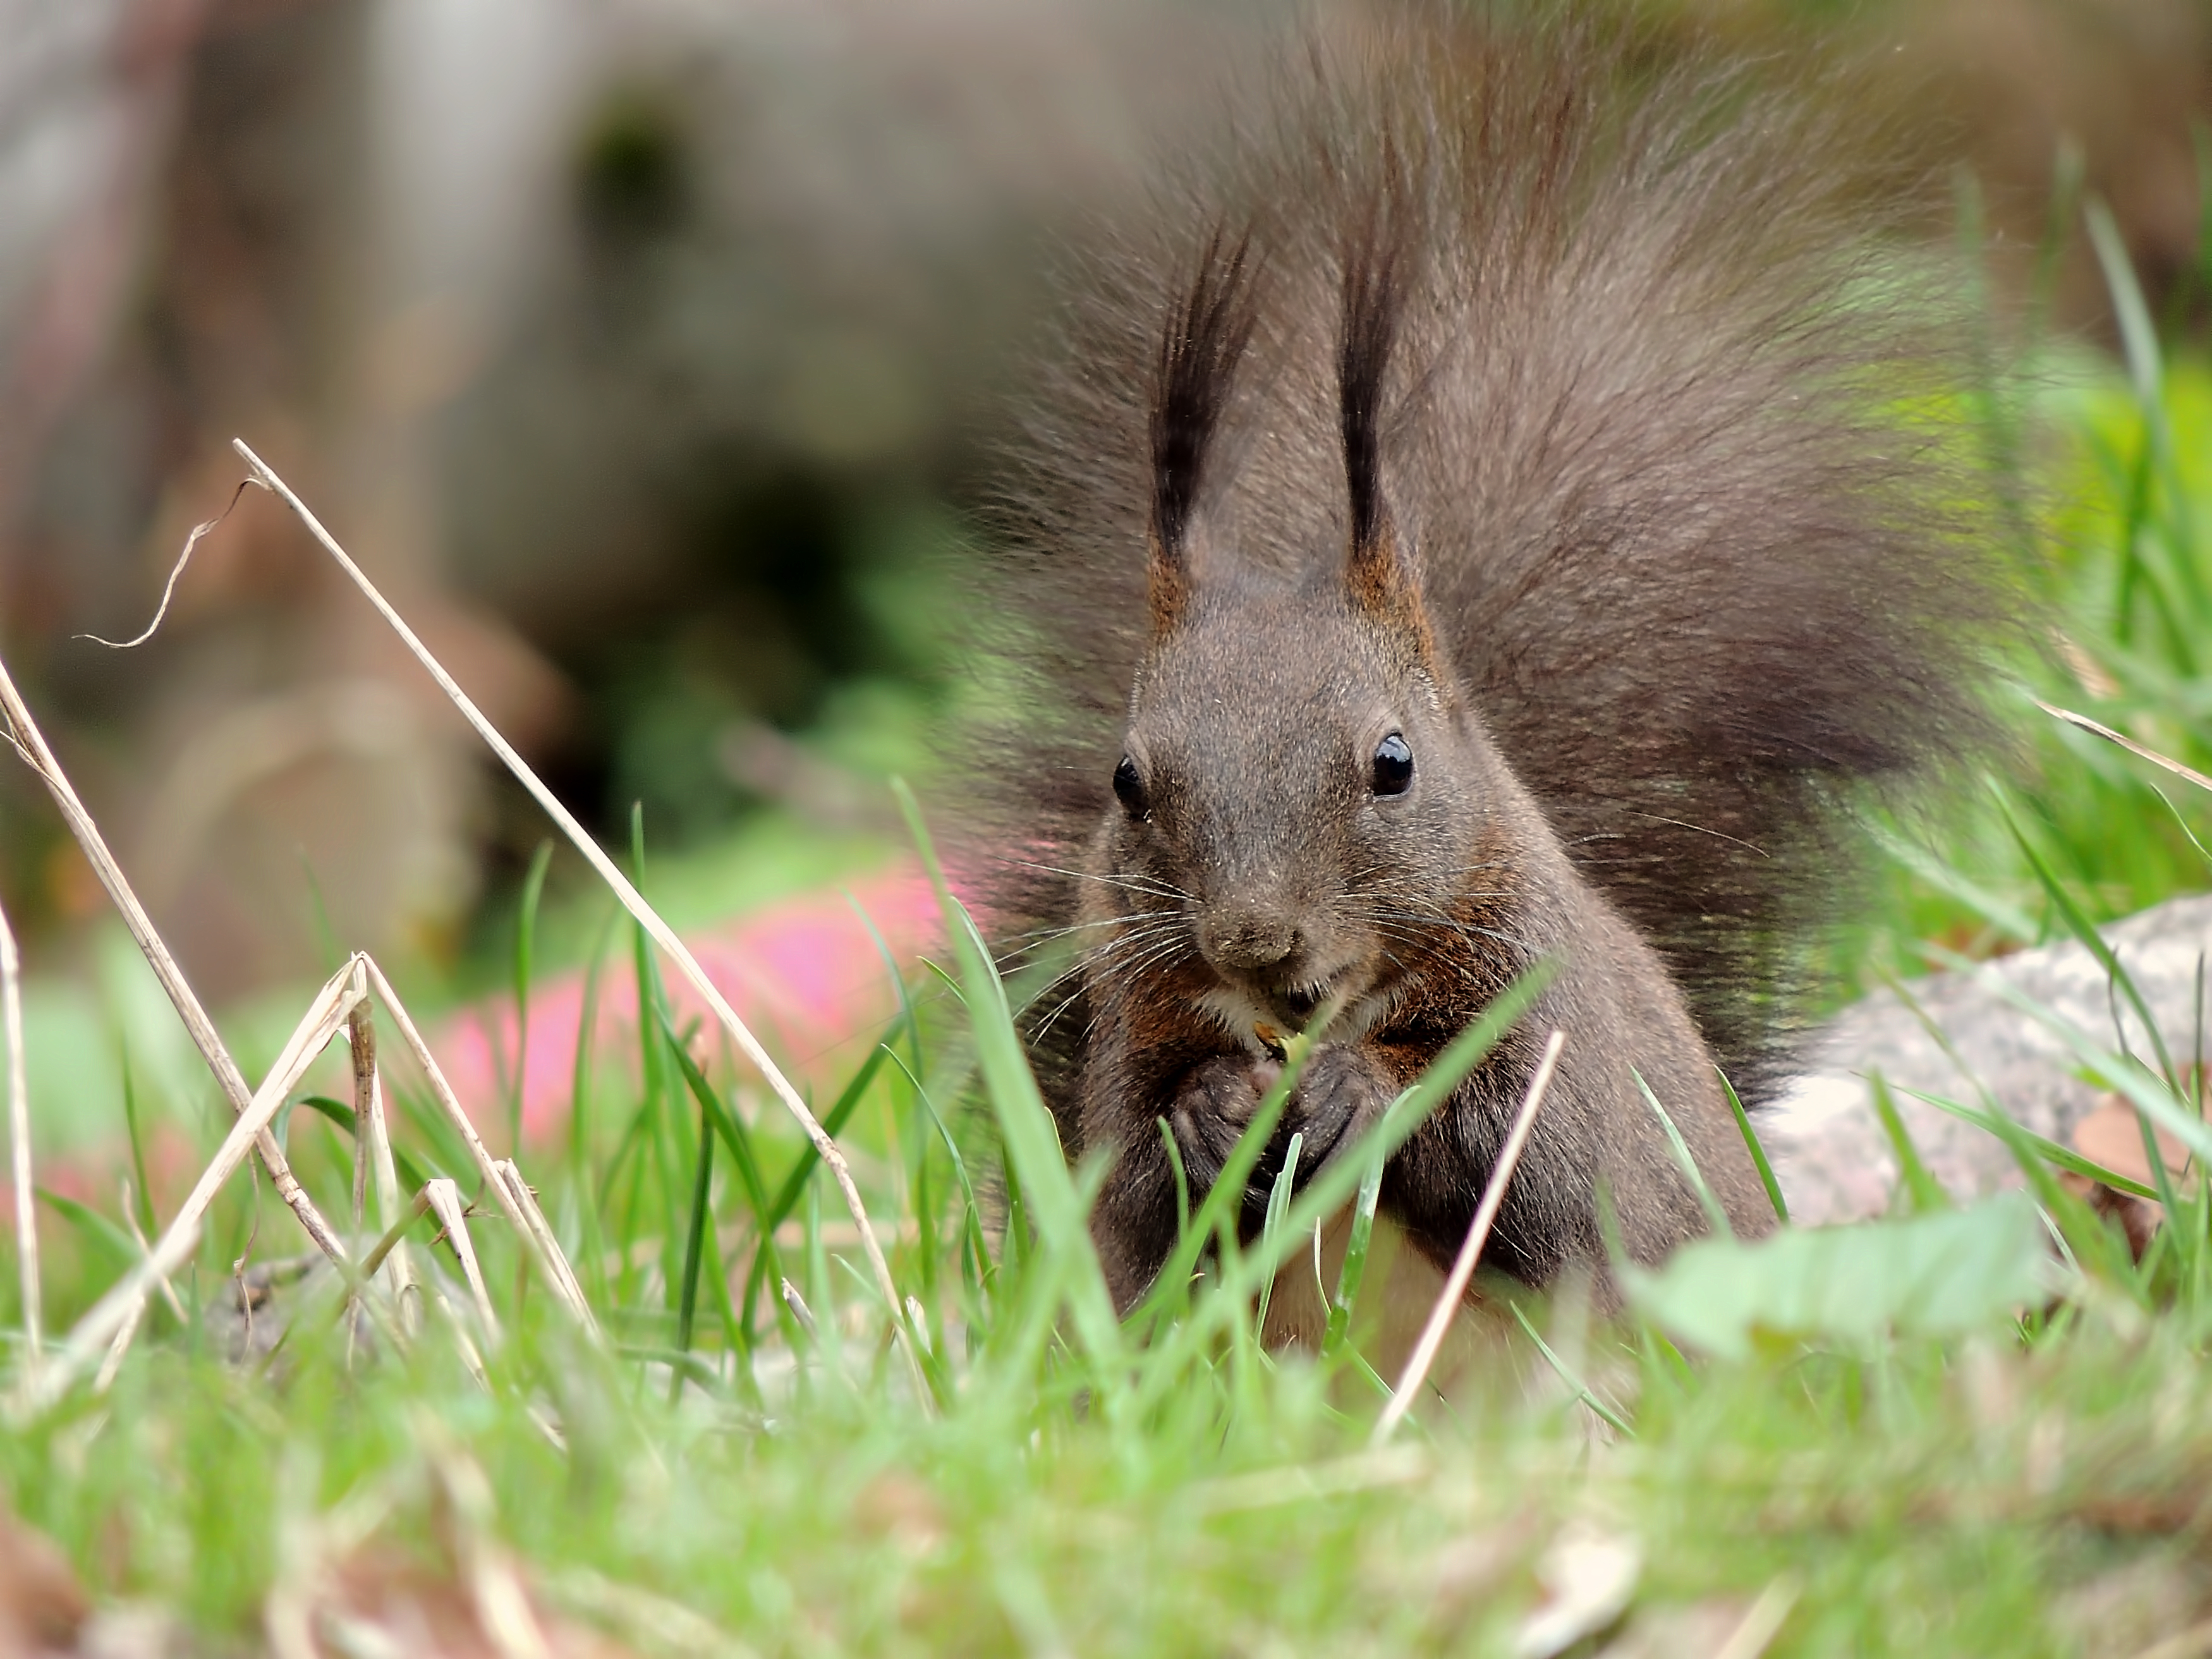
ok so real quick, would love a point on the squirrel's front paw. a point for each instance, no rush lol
(1215, 1101)
(1341, 1087)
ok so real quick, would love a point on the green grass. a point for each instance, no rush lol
(2122, 503)
(1935, 1462)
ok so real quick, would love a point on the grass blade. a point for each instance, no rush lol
(2141, 751)
(1279, 1200)
(325, 1018)
(2119, 979)
(589, 1229)
(525, 952)
(1750, 1141)
(2154, 1100)
(1352, 1272)
(716, 1119)
(1032, 1142)
(1334, 1183)
(2062, 1158)
(840, 1112)
(1604, 1412)
(972, 1220)
(338, 1112)
(1997, 911)
(2083, 929)
(1688, 1165)
(147, 1224)
(695, 1243)
(2073, 1220)
(1174, 1150)
(19, 1144)
(1214, 1221)
(1926, 1192)
(31, 746)
(94, 1225)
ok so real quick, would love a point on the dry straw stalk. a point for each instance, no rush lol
(538, 1239)
(19, 1141)
(325, 1017)
(445, 1198)
(31, 744)
(633, 901)
(373, 1149)
(1470, 1251)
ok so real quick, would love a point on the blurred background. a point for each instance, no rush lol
(646, 353)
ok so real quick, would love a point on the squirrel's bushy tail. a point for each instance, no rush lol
(1665, 429)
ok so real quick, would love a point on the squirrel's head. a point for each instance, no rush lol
(1300, 773)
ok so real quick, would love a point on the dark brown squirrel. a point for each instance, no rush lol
(1471, 519)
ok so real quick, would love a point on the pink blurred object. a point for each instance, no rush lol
(802, 973)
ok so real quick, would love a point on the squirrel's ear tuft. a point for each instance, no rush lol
(1208, 331)
(1377, 570)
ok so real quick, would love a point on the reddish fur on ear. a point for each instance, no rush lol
(1379, 579)
(1167, 583)
(1377, 574)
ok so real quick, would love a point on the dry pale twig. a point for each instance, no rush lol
(549, 1247)
(458, 1328)
(326, 1016)
(2127, 743)
(31, 744)
(1764, 1620)
(632, 901)
(538, 1240)
(444, 1197)
(1301, 1483)
(1470, 1252)
(104, 1378)
(654, 1622)
(502, 1606)
(361, 1050)
(169, 592)
(19, 1140)
(361, 1047)
(373, 1145)
(138, 1237)
(309, 1546)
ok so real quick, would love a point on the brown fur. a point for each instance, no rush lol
(1533, 410)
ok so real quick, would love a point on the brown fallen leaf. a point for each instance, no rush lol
(382, 1599)
(2111, 1135)
(43, 1609)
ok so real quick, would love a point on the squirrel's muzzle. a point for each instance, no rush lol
(1265, 951)
(1250, 941)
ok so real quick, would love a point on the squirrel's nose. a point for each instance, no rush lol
(1247, 940)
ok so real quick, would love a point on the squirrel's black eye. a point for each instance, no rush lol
(1394, 766)
(1129, 789)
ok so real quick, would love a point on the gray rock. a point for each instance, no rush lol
(1835, 1163)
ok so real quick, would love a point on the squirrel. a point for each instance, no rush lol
(1474, 515)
